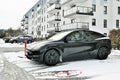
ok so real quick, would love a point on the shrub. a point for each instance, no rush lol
(114, 35)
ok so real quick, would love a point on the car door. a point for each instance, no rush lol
(21, 39)
(76, 46)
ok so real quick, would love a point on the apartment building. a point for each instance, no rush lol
(34, 21)
(50, 16)
(106, 15)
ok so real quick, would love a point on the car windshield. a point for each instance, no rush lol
(59, 36)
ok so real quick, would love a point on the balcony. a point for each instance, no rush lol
(51, 29)
(51, 1)
(54, 29)
(78, 11)
(54, 19)
(76, 25)
(54, 8)
(65, 1)
(71, 2)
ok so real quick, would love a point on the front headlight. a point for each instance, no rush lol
(35, 46)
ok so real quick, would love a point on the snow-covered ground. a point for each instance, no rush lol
(108, 69)
(91, 69)
(2, 41)
(10, 45)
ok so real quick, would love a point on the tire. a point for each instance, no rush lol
(14, 41)
(29, 41)
(103, 53)
(51, 57)
(28, 57)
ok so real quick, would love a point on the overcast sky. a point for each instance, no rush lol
(12, 11)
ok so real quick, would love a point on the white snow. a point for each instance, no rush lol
(2, 41)
(10, 45)
(108, 69)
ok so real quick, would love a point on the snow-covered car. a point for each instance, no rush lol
(21, 39)
(70, 45)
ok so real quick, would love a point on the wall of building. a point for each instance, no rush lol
(38, 25)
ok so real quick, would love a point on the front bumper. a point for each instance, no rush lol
(34, 55)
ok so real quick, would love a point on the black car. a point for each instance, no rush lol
(21, 39)
(7, 39)
(70, 45)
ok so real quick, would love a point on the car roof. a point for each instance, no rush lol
(83, 30)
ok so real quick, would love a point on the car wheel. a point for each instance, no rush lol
(29, 41)
(103, 53)
(51, 57)
(14, 41)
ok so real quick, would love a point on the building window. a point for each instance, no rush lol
(72, 20)
(63, 22)
(94, 22)
(44, 18)
(118, 10)
(33, 16)
(47, 26)
(94, 7)
(117, 23)
(32, 10)
(105, 9)
(105, 23)
(44, 10)
(38, 5)
(73, 6)
(63, 13)
(44, 27)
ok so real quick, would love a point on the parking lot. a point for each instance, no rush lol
(84, 69)
(15, 63)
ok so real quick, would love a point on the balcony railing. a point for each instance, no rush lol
(54, 18)
(51, 29)
(76, 25)
(79, 10)
(54, 6)
(51, 1)
(64, 1)
(54, 29)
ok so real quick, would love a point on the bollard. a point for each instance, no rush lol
(25, 45)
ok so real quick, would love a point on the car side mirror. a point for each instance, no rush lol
(67, 39)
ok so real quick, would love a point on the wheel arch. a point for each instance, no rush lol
(60, 51)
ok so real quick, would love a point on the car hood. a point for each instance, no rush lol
(37, 45)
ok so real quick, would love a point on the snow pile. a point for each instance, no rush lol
(2, 41)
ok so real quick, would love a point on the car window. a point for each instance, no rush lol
(21, 37)
(75, 36)
(91, 35)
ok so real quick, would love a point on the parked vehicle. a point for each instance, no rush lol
(70, 45)
(22, 39)
(7, 39)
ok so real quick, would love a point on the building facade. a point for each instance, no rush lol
(50, 16)
(106, 15)
(34, 22)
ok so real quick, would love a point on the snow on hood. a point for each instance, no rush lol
(36, 45)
